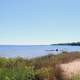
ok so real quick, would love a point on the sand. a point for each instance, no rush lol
(70, 69)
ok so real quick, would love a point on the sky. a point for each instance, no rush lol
(39, 21)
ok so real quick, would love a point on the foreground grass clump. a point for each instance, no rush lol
(17, 74)
(22, 69)
(40, 68)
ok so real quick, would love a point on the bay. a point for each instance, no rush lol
(30, 51)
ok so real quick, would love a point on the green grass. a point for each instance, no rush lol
(27, 73)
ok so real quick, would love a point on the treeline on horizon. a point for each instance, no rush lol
(72, 44)
(39, 68)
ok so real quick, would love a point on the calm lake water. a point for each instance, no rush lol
(33, 50)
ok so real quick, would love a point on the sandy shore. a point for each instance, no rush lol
(70, 69)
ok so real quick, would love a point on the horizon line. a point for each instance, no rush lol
(37, 43)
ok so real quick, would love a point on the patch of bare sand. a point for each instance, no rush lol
(70, 69)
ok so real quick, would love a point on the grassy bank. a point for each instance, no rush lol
(41, 68)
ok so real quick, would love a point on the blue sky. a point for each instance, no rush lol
(39, 21)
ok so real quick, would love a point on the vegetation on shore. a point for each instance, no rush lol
(41, 68)
(71, 44)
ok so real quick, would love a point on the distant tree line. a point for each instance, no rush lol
(72, 44)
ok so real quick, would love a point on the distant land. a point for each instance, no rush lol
(71, 44)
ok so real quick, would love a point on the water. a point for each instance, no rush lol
(32, 50)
